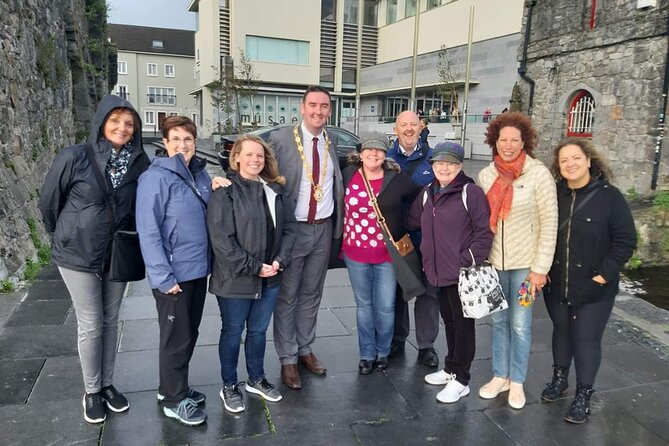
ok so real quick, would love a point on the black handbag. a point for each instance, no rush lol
(126, 263)
(407, 264)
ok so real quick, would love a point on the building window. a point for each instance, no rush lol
(371, 16)
(433, 4)
(122, 91)
(151, 69)
(328, 10)
(162, 95)
(581, 115)
(169, 70)
(391, 12)
(266, 49)
(410, 8)
(195, 118)
(157, 44)
(122, 67)
(149, 118)
(351, 11)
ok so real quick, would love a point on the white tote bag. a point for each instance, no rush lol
(480, 291)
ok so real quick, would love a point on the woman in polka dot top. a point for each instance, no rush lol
(365, 255)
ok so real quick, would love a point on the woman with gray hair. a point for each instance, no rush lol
(369, 266)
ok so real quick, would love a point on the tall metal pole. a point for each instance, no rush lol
(412, 100)
(469, 66)
(358, 66)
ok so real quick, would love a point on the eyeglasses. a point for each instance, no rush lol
(188, 142)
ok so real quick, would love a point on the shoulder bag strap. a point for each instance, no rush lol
(379, 216)
(577, 208)
(101, 181)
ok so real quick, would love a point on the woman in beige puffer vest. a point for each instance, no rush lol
(523, 204)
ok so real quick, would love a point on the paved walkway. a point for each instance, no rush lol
(40, 378)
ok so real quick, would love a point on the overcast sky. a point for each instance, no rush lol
(154, 13)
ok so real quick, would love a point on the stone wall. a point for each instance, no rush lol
(54, 65)
(621, 62)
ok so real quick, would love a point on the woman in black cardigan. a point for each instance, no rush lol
(596, 237)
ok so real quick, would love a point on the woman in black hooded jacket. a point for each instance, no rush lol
(75, 211)
(596, 237)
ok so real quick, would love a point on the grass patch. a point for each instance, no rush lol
(6, 286)
(32, 270)
(661, 200)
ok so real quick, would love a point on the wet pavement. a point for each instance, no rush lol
(41, 383)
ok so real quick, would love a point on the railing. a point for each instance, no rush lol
(165, 99)
(471, 119)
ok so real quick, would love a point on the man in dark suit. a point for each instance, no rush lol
(308, 160)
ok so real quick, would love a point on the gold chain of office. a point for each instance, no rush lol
(318, 188)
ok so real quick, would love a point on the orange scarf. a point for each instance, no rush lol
(500, 194)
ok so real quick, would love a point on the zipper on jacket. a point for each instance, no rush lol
(566, 262)
(503, 269)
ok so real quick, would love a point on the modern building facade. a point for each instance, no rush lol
(306, 42)
(156, 72)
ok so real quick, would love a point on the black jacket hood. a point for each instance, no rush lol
(106, 105)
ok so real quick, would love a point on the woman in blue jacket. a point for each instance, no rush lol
(171, 221)
(455, 235)
(249, 226)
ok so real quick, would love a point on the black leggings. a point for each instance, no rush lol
(460, 334)
(577, 333)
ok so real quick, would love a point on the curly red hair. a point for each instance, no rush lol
(517, 120)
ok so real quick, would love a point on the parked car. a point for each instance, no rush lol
(345, 142)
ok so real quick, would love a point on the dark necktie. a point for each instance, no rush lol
(315, 171)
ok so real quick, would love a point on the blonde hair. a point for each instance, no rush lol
(270, 172)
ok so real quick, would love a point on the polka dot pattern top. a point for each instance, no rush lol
(363, 238)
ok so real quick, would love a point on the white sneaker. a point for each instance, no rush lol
(452, 392)
(440, 378)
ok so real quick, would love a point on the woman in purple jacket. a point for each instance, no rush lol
(455, 235)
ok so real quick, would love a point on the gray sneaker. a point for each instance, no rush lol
(264, 389)
(186, 412)
(193, 394)
(232, 398)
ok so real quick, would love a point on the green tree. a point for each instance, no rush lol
(223, 95)
(246, 81)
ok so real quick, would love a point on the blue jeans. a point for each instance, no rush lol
(374, 290)
(255, 314)
(511, 330)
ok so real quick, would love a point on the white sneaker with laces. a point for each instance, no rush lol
(452, 392)
(440, 378)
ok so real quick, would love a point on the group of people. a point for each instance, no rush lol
(265, 235)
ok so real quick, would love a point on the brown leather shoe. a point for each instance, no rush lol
(291, 376)
(311, 363)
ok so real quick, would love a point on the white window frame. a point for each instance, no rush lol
(159, 92)
(119, 87)
(147, 121)
(124, 64)
(152, 69)
(167, 73)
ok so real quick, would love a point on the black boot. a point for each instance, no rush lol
(556, 388)
(580, 408)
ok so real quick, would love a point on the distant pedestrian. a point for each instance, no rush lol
(594, 242)
(424, 132)
(75, 210)
(172, 201)
(250, 226)
(487, 113)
